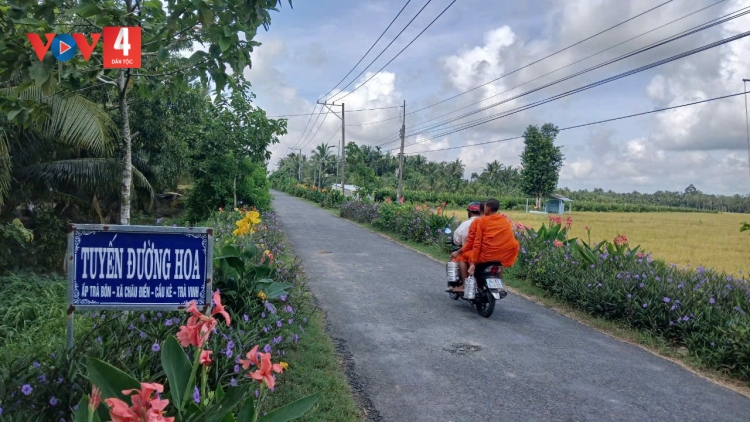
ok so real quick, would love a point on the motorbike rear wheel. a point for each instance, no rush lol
(485, 302)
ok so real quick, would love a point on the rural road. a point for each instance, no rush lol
(385, 304)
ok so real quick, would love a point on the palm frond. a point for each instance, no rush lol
(5, 167)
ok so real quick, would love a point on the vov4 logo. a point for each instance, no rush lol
(122, 46)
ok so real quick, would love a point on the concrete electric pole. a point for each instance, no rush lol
(401, 156)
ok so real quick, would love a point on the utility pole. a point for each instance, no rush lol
(747, 123)
(343, 141)
(299, 174)
(401, 156)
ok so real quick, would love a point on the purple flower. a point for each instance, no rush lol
(229, 353)
(629, 296)
(279, 324)
(246, 318)
(267, 348)
(262, 314)
(131, 327)
(233, 382)
(236, 368)
(257, 393)
(155, 347)
(143, 318)
(196, 395)
(265, 329)
(175, 225)
(667, 300)
(641, 285)
(159, 220)
(99, 340)
(712, 301)
(53, 401)
(680, 286)
(296, 338)
(645, 305)
(42, 378)
(230, 344)
(143, 335)
(168, 323)
(283, 298)
(36, 365)
(26, 389)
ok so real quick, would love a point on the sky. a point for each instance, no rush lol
(309, 48)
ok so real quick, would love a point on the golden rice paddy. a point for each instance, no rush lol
(710, 240)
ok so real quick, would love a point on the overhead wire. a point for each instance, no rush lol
(381, 53)
(483, 120)
(587, 124)
(348, 111)
(310, 138)
(368, 51)
(394, 57)
(560, 68)
(545, 57)
(305, 129)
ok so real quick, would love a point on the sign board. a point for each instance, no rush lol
(138, 267)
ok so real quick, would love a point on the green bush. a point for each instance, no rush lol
(214, 183)
(325, 198)
(700, 309)
(32, 334)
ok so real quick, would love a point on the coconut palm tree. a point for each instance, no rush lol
(66, 156)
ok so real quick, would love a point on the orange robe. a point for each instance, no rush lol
(494, 241)
(469, 244)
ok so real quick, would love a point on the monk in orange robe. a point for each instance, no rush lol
(462, 255)
(494, 240)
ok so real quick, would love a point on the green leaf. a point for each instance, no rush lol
(207, 14)
(217, 411)
(247, 413)
(39, 72)
(292, 410)
(277, 289)
(82, 413)
(177, 367)
(219, 393)
(224, 43)
(86, 10)
(29, 21)
(110, 380)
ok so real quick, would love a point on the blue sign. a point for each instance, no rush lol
(138, 267)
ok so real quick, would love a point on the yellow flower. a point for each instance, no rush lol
(262, 296)
(253, 217)
(236, 209)
(283, 365)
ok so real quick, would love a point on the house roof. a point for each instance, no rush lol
(560, 197)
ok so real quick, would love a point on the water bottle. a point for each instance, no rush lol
(470, 287)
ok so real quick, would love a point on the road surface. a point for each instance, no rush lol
(417, 355)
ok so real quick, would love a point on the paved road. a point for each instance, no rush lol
(386, 304)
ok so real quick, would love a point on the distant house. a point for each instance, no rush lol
(556, 204)
(348, 189)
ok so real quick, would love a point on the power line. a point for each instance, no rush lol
(381, 53)
(376, 122)
(368, 51)
(545, 57)
(480, 121)
(316, 132)
(398, 54)
(560, 68)
(348, 111)
(305, 130)
(588, 124)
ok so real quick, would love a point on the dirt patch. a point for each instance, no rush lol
(462, 349)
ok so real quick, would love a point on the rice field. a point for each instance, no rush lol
(710, 240)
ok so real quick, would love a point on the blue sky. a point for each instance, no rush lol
(309, 48)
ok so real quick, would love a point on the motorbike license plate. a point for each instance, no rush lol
(494, 283)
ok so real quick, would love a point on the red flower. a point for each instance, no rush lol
(145, 408)
(621, 240)
(252, 358)
(265, 372)
(557, 243)
(199, 326)
(205, 358)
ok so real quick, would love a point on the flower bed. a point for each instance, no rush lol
(45, 384)
(700, 309)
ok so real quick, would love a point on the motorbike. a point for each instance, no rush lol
(482, 289)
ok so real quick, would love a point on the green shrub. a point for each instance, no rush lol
(32, 334)
(700, 309)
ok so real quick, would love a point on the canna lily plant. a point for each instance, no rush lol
(118, 397)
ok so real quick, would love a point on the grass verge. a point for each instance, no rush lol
(315, 366)
(645, 340)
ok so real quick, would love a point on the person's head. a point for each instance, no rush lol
(482, 208)
(474, 209)
(491, 206)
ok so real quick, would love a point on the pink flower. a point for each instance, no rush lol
(145, 408)
(252, 358)
(265, 372)
(205, 358)
(557, 243)
(95, 399)
(587, 228)
(199, 326)
(621, 240)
